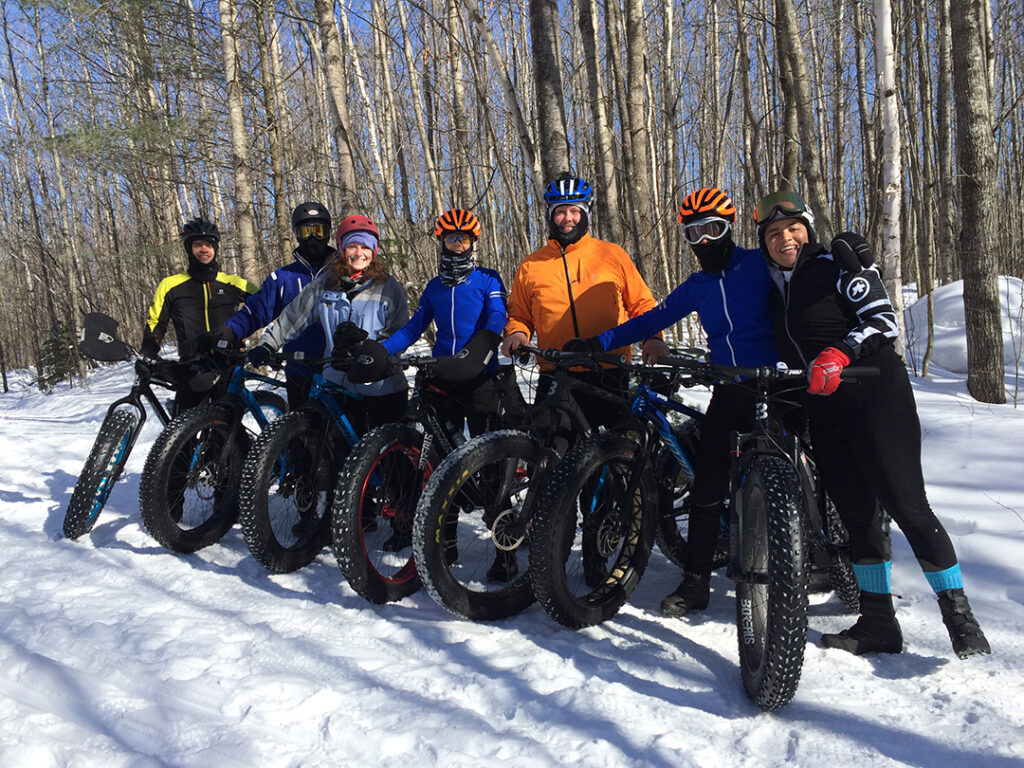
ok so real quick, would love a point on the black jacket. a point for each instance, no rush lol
(193, 306)
(823, 305)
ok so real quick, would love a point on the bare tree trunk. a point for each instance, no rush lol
(977, 173)
(245, 224)
(636, 139)
(547, 78)
(926, 216)
(891, 167)
(946, 226)
(280, 227)
(604, 160)
(462, 176)
(869, 154)
(788, 32)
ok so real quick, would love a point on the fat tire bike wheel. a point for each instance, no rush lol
(188, 495)
(593, 532)
(287, 489)
(374, 505)
(471, 519)
(102, 468)
(771, 593)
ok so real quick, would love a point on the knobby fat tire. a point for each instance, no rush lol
(297, 432)
(376, 496)
(771, 612)
(567, 531)
(196, 435)
(444, 510)
(101, 470)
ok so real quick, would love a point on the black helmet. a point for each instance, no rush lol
(199, 229)
(305, 219)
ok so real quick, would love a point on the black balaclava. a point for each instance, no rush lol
(198, 270)
(714, 256)
(315, 250)
(454, 267)
(566, 239)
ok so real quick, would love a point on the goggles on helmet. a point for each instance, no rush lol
(780, 205)
(308, 229)
(706, 230)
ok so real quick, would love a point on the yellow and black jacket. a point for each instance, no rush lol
(193, 306)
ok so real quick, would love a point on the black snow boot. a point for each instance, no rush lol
(504, 568)
(964, 632)
(692, 594)
(876, 631)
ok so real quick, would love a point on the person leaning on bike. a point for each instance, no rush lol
(311, 223)
(574, 287)
(467, 306)
(731, 293)
(193, 302)
(831, 309)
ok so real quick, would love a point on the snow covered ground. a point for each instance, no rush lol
(115, 652)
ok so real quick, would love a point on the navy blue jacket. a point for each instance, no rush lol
(734, 306)
(263, 307)
(458, 312)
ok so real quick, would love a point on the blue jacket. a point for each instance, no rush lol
(263, 307)
(734, 306)
(458, 312)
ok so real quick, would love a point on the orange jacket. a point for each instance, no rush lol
(606, 289)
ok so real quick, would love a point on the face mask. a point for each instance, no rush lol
(565, 239)
(714, 257)
(314, 251)
(453, 267)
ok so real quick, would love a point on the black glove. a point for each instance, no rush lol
(346, 336)
(150, 346)
(371, 363)
(470, 360)
(223, 338)
(580, 346)
(852, 252)
(259, 355)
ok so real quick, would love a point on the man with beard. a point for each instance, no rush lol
(193, 302)
(576, 286)
(732, 296)
(311, 224)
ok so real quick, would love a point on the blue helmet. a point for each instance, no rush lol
(568, 190)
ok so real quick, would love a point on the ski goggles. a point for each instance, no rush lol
(308, 229)
(706, 230)
(780, 205)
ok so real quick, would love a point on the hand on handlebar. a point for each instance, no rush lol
(653, 349)
(827, 370)
(512, 342)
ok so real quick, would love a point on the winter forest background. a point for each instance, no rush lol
(898, 118)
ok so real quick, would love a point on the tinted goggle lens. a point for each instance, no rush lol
(315, 229)
(777, 206)
(705, 230)
(457, 239)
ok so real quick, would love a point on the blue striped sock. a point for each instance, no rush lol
(874, 577)
(947, 579)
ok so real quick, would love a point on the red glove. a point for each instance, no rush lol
(825, 372)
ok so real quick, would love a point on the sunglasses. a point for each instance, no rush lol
(779, 205)
(451, 240)
(705, 230)
(315, 229)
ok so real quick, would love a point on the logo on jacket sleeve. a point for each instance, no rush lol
(857, 289)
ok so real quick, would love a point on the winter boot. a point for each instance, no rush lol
(692, 594)
(876, 631)
(964, 632)
(504, 568)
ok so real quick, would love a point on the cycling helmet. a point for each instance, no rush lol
(568, 190)
(705, 203)
(784, 204)
(457, 221)
(358, 225)
(199, 229)
(311, 220)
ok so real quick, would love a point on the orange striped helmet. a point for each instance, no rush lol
(457, 220)
(710, 201)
